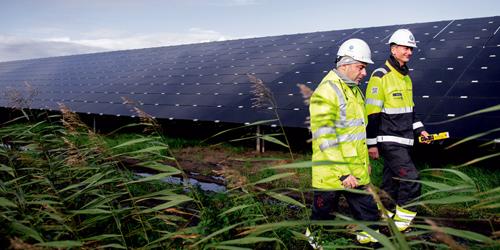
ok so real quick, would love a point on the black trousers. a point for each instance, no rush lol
(398, 164)
(362, 206)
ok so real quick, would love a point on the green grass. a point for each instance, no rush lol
(66, 188)
(173, 143)
(484, 179)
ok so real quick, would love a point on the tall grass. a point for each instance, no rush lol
(63, 186)
(263, 100)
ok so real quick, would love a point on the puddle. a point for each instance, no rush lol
(205, 186)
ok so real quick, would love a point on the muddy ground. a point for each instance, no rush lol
(209, 161)
(228, 167)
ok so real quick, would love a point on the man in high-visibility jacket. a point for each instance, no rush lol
(393, 126)
(338, 126)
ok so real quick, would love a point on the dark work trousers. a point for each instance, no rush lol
(362, 206)
(398, 164)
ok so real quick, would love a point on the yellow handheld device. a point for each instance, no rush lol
(434, 137)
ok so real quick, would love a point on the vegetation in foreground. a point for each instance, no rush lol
(63, 186)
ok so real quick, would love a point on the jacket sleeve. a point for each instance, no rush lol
(418, 126)
(324, 111)
(374, 104)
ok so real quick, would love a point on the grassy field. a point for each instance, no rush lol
(64, 186)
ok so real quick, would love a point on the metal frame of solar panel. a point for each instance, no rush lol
(453, 70)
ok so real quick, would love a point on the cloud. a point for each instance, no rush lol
(241, 2)
(15, 48)
(12, 48)
(194, 35)
(231, 3)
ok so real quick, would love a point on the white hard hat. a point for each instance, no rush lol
(403, 37)
(357, 49)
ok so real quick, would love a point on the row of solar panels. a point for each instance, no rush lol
(458, 34)
(234, 62)
(454, 71)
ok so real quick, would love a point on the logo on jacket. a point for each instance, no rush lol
(397, 95)
(374, 90)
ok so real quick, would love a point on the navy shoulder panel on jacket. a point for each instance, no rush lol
(380, 71)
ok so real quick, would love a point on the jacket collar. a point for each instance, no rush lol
(353, 86)
(344, 78)
(403, 70)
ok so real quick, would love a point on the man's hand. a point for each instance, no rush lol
(369, 168)
(373, 153)
(350, 182)
(425, 135)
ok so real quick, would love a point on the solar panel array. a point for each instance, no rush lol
(454, 70)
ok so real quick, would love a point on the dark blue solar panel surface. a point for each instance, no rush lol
(454, 71)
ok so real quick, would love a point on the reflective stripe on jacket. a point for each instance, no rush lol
(338, 125)
(390, 107)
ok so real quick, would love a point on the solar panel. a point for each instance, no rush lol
(454, 70)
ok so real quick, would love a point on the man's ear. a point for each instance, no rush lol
(393, 47)
(342, 67)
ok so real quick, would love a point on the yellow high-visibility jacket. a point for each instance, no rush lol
(338, 123)
(390, 108)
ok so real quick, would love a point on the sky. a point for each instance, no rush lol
(45, 28)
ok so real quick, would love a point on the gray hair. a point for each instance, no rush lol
(345, 60)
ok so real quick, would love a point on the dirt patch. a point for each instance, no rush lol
(204, 160)
(235, 167)
(224, 162)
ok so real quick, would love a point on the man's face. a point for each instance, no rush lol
(355, 71)
(402, 53)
